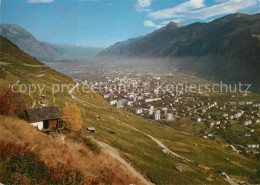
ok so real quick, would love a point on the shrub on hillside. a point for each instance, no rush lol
(79, 137)
(13, 103)
(3, 73)
(7, 102)
(20, 165)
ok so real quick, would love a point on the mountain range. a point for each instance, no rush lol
(225, 49)
(66, 50)
(43, 51)
(27, 42)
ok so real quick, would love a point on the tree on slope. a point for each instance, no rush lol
(72, 117)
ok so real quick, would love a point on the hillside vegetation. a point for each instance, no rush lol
(77, 162)
(134, 137)
(18, 67)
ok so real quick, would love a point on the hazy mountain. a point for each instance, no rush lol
(226, 49)
(26, 41)
(41, 50)
(73, 50)
(149, 45)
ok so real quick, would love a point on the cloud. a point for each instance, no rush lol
(181, 8)
(40, 1)
(195, 9)
(228, 7)
(152, 24)
(141, 5)
(174, 20)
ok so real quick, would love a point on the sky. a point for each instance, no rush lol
(101, 23)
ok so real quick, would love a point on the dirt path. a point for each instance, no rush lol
(229, 179)
(162, 125)
(115, 154)
(4, 63)
(158, 142)
(109, 149)
(31, 65)
(82, 101)
(151, 137)
(41, 75)
(37, 76)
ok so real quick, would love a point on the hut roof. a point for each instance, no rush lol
(44, 113)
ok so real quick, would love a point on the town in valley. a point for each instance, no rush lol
(234, 122)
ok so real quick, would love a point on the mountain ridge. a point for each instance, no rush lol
(43, 51)
(27, 42)
(223, 46)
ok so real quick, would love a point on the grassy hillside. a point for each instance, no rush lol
(132, 135)
(18, 67)
(70, 155)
